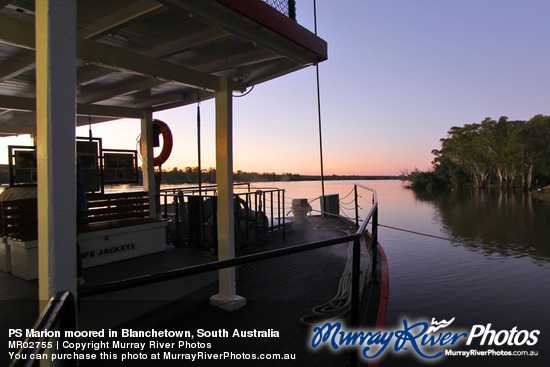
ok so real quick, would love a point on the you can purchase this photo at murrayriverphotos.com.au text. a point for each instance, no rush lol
(274, 183)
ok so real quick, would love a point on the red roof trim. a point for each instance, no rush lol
(279, 23)
(384, 293)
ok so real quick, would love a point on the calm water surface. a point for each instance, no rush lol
(493, 265)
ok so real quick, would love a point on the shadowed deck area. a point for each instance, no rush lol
(278, 292)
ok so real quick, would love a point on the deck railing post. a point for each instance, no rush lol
(248, 197)
(356, 206)
(283, 205)
(278, 209)
(271, 197)
(177, 215)
(264, 211)
(374, 241)
(165, 205)
(355, 274)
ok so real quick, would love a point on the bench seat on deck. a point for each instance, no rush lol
(104, 243)
(92, 227)
(116, 227)
(19, 248)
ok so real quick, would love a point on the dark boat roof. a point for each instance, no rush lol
(142, 55)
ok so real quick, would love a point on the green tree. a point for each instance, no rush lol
(531, 142)
(467, 147)
(500, 149)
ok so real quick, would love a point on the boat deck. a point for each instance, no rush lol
(278, 293)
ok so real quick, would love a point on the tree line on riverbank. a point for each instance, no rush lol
(510, 153)
(191, 175)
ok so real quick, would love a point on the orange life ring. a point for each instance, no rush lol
(167, 142)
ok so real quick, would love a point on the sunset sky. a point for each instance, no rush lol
(399, 75)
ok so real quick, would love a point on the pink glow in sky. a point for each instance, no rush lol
(400, 74)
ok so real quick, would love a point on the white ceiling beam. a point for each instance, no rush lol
(183, 102)
(128, 13)
(134, 86)
(106, 25)
(115, 58)
(29, 104)
(161, 51)
(91, 75)
(273, 71)
(241, 60)
(16, 32)
(96, 94)
(109, 111)
(25, 61)
(184, 43)
(127, 61)
(161, 100)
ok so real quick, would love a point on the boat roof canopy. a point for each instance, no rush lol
(136, 56)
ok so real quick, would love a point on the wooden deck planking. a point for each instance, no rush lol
(279, 292)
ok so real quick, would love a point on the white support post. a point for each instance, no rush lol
(148, 167)
(56, 122)
(227, 297)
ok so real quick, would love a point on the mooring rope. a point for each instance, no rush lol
(340, 304)
(451, 240)
(423, 234)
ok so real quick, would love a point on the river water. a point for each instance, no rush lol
(479, 256)
(488, 263)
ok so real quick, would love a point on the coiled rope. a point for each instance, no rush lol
(340, 304)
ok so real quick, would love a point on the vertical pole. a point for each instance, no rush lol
(199, 171)
(319, 122)
(323, 204)
(56, 121)
(227, 297)
(148, 168)
(199, 142)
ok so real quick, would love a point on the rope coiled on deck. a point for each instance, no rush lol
(340, 304)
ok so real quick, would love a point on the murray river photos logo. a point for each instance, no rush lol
(427, 341)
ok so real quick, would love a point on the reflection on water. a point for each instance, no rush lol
(495, 268)
(492, 265)
(510, 223)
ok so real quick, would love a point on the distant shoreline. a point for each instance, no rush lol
(338, 178)
(190, 175)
